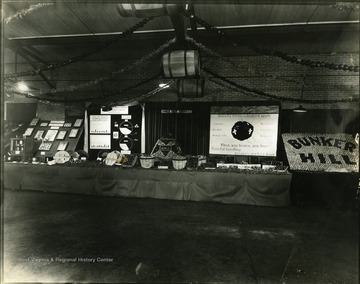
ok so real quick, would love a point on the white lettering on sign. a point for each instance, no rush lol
(176, 111)
(100, 141)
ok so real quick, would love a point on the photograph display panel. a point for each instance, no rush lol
(50, 135)
(61, 135)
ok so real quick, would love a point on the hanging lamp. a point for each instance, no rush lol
(300, 108)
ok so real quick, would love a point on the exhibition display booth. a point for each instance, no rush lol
(234, 158)
(229, 172)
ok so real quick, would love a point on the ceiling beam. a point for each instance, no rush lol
(239, 2)
(16, 47)
(252, 30)
(177, 22)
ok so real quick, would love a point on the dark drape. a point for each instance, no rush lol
(188, 123)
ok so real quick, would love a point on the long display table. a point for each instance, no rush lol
(267, 189)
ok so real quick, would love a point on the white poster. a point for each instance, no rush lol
(117, 110)
(246, 134)
(100, 141)
(100, 124)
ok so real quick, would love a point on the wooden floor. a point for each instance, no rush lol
(69, 238)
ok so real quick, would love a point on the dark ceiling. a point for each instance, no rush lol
(38, 34)
(56, 31)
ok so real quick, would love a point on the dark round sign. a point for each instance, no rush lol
(242, 130)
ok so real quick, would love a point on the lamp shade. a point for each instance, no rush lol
(300, 108)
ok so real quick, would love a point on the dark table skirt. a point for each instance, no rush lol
(268, 189)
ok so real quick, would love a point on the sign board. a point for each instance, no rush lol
(100, 141)
(322, 152)
(245, 134)
(100, 124)
(117, 110)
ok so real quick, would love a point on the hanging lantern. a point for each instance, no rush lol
(190, 87)
(181, 63)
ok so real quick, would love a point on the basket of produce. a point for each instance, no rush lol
(147, 161)
(114, 158)
(192, 162)
(179, 162)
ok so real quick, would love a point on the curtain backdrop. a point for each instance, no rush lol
(188, 123)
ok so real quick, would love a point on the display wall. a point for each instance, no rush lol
(190, 124)
(116, 130)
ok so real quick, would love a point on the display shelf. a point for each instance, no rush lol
(51, 136)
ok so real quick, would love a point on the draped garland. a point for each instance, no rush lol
(112, 75)
(110, 95)
(96, 81)
(279, 54)
(256, 92)
(88, 53)
(245, 68)
(251, 70)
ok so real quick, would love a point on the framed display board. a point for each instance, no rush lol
(45, 146)
(73, 133)
(39, 134)
(100, 124)
(78, 122)
(57, 136)
(61, 135)
(50, 135)
(244, 131)
(28, 131)
(100, 141)
(62, 146)
(34, 121)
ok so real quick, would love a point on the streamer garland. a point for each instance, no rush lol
(279, 54)
(269, 96)
(247, 69)
(83, 55)
(111, 76)
(345, 6)
(251, 70)
(110, 95)
(25, 12)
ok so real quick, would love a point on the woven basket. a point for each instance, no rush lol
(147, 162)
(179, 163)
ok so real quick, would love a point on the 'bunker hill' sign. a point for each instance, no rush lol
(322, 152)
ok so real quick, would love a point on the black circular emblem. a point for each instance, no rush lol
(242, 130)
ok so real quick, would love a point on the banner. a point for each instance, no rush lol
(322, 152)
